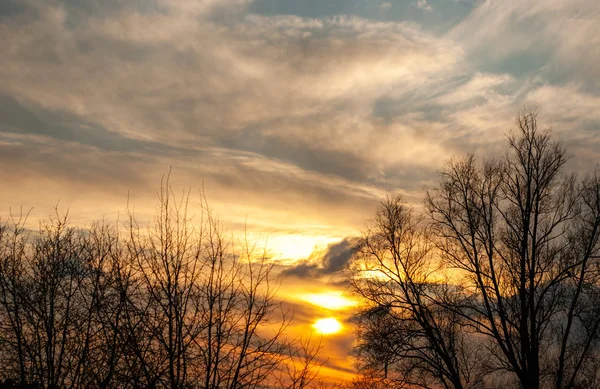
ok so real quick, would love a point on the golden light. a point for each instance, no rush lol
(327, 326)
(292, 247)
(334, 300)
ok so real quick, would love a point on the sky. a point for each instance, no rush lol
(294, 116)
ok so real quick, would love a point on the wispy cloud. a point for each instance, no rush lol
(326, 113)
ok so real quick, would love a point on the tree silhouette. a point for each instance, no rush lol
(522, 240)
(173, 304)
(403, 331)
(525, 236)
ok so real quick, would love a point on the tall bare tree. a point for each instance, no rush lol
(525, 237)
(12, 317)
(203, 307)
(403, 331)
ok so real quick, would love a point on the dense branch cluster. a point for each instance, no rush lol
(495, 284)
(173, 306)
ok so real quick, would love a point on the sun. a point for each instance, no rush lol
(327, 326)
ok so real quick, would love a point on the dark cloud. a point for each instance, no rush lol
(333, 260)
(302, 270)
(22, 118)
(11, 8)
(348, 164)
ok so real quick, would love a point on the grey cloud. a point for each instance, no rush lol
(302, 270)
(11, 8)
(338, 255)
(333, 260)
(348, 164)
(21, 118)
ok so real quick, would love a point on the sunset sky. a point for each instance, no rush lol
(295, 116)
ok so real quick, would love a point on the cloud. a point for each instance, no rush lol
(283, 107)
(312, 119)
(327, 262)
(556, 36)
(279, 108)
(424, 5)
(22, 118)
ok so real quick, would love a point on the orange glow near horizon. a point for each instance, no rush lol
(327, 326)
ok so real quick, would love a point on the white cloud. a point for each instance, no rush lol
(424, 5)
(564, 31)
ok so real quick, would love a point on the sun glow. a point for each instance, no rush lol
(334, 300)
(327, 326)
(293, 247)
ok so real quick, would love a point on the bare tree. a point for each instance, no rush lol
(403, 331)
(238, 299)
(50, 287)
(525, 238)
(301, 368)
(58, 310)
(12, 320)
(166, 318)
(202, 306)
(172, 304)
